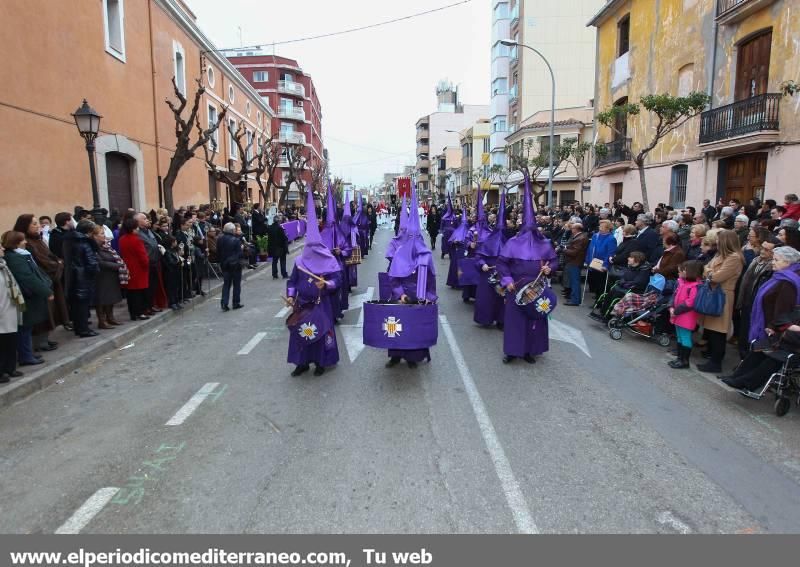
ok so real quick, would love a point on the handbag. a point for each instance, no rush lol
(596, 264)
(709, 300)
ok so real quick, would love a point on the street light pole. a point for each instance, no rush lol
(510, 42)
(88, 122)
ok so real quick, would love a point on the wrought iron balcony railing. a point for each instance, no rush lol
(754, 114)
(616, 151)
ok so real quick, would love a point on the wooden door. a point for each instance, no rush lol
(616, 192)
(752, 66)
(745, 177)
(120, 189)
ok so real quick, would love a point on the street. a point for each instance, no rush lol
(198, 428)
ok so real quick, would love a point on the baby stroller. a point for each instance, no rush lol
(640, 314)
(785, 382)
(603, 306)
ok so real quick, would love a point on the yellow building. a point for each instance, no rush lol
(121, 56)
(747, 144)
(474, 160)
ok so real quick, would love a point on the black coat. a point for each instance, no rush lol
(636, 279)
(277, 241)
(259, 223)
(56, 241)
(83, 267)
(433, 224)
(649, 241)
(229, 252)
(107, 288)
(624, 250)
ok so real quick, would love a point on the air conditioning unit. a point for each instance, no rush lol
(300, 103)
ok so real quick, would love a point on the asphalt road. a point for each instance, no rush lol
(596, 437)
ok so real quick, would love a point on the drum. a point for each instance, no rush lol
(400, 326)
(536, 299)
(494, 282)
(310, 322)
(468, 273)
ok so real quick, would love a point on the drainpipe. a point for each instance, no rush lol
(710, 93)
(155, 107)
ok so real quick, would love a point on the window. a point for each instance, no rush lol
(288, 77)
(486, 145)
(210, 76)
(677, 193)
(258, 118)
(499, 124)
(287, 129)
(212, 120)
(544, 143)
(114, 16)
(287, 105)
(179, 69)
(249, 150)
(500, 50)
(500, 86)
(501, 11)
(623, 35)
(260, 76)
(232, 149)
(685, 79)
(265, 98)
(247, 108)
(231, 94)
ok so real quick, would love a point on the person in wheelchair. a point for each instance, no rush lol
(634, 280)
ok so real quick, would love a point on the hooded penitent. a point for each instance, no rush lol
(413, 255)
(459, 235)
(395, 242)
(332, 235)
(493, 243)
(316, 257)
(481, 227)
(529, 243)
(448, 215)
(347, 226)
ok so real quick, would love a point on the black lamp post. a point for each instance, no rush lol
(88, 122)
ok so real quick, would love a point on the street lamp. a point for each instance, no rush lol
(88, 122)
(512, 43)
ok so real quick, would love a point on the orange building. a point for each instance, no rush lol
(121, 56)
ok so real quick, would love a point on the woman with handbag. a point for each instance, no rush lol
(721, 273)
(601, 248)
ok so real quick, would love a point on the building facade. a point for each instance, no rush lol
(533, 138)
(122, 57)
(475, 160)
(498, 105)
(291, 92)
(747, 144)
(441, 129)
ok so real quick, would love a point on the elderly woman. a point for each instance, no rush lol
(37, 289)
(755, 237)
(133, 253)
(53, 266)
(11, 304)
(696, 235)
(723, 271)
(601, 248)
(629, 244)
(754, 276)
(112, 275)
(777, 297)
(671, 259)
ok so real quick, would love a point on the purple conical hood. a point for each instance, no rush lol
(460, 233)
(402, 232)
(529, 243)
(412, 250)
(316, 258)
(330, 212)
(448, 213)
(481, 213)
(494, 242)
(403, 215)
(332, 235)
(482, 224)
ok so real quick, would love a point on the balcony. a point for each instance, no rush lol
(291, 113)
(745, 124)
(292, 88)
(515, 13)
(423, 163)
(292, 138)
(617, 153)
(423, 134)
(423, 148)
(422, 178)
(512, 93)
(732, 11)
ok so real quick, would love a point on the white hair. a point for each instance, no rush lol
(727, 211)
(671, 225)
(742, 218)
(229, 228)
(787, 253)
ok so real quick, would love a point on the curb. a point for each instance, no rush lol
(35, 381)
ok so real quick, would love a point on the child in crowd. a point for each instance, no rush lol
(682, 313)
(172, 263)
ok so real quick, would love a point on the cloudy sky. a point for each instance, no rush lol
(373, 84)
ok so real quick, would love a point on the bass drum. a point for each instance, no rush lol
(536, 299)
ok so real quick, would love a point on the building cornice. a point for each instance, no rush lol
(605, 12)
(178, 15)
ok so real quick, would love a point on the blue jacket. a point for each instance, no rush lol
(602, 246)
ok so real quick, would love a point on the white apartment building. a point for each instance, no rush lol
(498, 106)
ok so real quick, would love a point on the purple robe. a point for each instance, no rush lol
(408, 286)
(489, 306)
(324, 352)
(521, 335)
(456, 252)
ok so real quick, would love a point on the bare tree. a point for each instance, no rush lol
(251, 162)
(297, 157)
(185, 149)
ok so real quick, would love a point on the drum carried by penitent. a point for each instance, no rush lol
(400, 326)
(536, 299)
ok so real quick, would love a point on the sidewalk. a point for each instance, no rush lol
(74, 353)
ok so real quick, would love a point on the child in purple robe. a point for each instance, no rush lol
(490, 305)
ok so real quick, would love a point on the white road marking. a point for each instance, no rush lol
(511, 489)
(283, 312)
(252, 343)
(193, 403)
(668, 519)
(353, 335)
(87, 511)
(560, 331)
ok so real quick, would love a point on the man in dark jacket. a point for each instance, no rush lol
(229, 253)
(83, 268)
(647, 237)
(574, 255)
(259, 221)
(277, 246)
(709, 211)
(64, 224)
